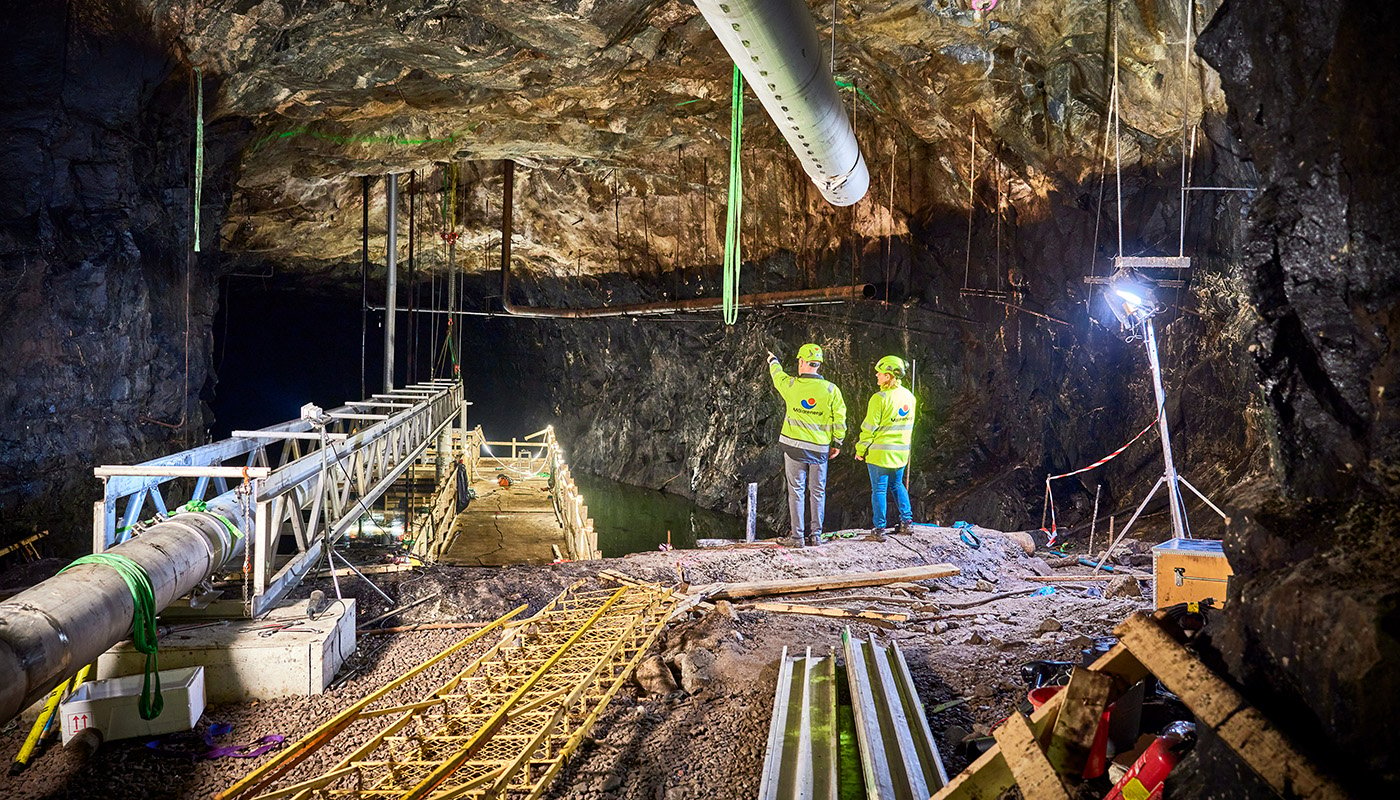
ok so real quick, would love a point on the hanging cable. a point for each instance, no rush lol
(412, 280)
(198, 149)
(734, 206)
(1117, 136)
(971, 203)
(364, 278)
(1185, 87)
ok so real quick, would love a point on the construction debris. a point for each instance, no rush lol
(1144, 648)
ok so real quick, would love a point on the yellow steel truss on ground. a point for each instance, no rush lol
(503, 726)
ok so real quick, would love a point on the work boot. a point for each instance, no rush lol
(798, 540)
(878, 534)
(904, 528)
(814, 539)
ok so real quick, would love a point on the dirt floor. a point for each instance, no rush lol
(704, 740)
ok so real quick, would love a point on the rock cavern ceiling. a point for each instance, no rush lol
(619, 111)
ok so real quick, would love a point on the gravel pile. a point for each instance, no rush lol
(700, 731)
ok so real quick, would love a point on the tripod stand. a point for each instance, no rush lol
(1181, 528)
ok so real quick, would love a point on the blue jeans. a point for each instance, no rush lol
(882, 479)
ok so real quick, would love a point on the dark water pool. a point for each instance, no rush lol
(630, 519)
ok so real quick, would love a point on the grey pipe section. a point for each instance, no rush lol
(391, 260)
(774, 43)
(857, 291)
(48, 632)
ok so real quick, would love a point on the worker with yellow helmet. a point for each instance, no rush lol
(814, 426)
(884, 441)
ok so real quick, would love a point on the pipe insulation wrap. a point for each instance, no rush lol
(49, 631)
(774, 43)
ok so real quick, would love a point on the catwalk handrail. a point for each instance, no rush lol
(579, 536)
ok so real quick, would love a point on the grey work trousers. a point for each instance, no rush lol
(806, 485)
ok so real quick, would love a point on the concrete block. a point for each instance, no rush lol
(283, 654)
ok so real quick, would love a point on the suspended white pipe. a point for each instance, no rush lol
(775, 45)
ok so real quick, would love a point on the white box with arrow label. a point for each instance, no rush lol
(112, 705)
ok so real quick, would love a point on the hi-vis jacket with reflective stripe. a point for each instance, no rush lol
(888, 428)
(816, 411)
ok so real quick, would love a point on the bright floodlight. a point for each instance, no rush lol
(1134, 302)
(1138, 299)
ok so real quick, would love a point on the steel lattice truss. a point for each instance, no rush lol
(503, 726)
(303, 484)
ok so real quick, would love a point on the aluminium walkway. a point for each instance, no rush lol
(527, 508)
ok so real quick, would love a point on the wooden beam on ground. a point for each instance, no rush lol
(989, 777)
(828, 611)
(1081, 712)
(369, 569)
(1034, 775)
(1216, 704)
(847, 580)
(624, 579)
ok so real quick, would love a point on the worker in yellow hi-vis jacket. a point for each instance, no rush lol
(814, 426)
(885, 437)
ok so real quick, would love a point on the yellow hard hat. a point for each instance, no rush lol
(811, 352)
(893, 365)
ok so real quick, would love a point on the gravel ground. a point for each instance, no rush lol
(667, 745)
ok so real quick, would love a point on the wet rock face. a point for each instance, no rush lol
(96, 333)
(1314, 628)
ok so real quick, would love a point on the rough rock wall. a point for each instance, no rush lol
(1317, 620)
(96, 330)
(1007, 394)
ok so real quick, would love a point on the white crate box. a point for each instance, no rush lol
(112, 705)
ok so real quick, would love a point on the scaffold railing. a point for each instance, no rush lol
(304, 483)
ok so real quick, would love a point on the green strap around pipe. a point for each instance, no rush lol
(143, 626)
(735, 204)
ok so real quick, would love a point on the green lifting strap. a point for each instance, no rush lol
(143, 626)
(203, 508)
(734, 212)
(198, 149)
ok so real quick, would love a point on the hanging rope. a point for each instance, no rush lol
(198, 149)
(734, 211)
(143, 626)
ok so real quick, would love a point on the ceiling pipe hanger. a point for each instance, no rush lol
(789, 298)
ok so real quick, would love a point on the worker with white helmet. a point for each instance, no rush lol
(814, 426)
(885, 437)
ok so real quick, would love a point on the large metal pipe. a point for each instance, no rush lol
(49, 631)
(774, 43)
(391, 261)
(830, 294)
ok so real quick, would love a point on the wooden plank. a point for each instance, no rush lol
(989, 777)
(1031, 769)
(828, 611)
(1081, 712)
(738, 591)
(1216, 704)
